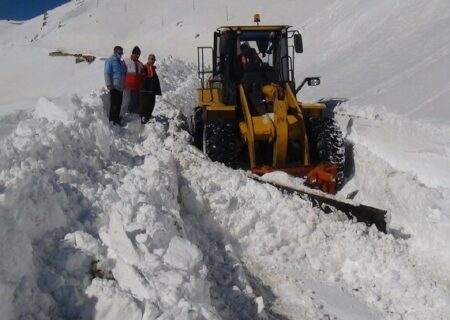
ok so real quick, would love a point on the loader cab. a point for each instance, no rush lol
(253, 56)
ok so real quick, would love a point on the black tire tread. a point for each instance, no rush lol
(221, 142)
(196, 127)
(327, 145)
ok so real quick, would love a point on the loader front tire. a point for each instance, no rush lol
(327, 145)
(220, 142)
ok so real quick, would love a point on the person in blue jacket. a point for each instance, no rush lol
(114, 80)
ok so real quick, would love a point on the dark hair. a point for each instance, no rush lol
(136, 50)
(117, 49)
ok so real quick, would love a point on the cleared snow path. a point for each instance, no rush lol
(276, 234)
(231, 290)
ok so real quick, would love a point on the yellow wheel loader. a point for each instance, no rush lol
(248, 115)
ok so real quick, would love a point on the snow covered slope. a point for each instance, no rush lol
(391, 56)
(112, 223)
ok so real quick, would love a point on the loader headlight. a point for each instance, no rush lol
(315, 81)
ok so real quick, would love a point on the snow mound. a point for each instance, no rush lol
(92, 221)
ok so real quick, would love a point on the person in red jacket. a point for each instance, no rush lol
(150, 90)
(133, 82)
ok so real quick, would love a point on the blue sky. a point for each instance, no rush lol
(26, 9)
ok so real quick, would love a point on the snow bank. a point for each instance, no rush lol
(62, 109)
(91, 224)
(36, 205)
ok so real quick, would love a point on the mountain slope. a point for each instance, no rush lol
(106, 222)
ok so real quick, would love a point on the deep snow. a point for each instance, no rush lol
(112, 223)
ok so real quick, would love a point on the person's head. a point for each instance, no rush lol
(245, 47)
(136, 52)
(151, 58)
(118, 51)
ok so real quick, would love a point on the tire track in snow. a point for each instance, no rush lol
(236, 293)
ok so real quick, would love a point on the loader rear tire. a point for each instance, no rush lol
(327, 145)
(220, 142)
(196, 127)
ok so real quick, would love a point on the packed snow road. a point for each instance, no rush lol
(137, 223)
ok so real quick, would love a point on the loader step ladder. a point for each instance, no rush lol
(204, 56)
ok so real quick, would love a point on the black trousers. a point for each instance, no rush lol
(146, 105)
(116, 101)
